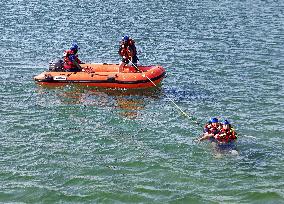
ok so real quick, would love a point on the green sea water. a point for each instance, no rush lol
(75, 144)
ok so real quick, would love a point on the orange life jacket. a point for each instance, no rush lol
(68, 61)
(214, 130)
(127, 49)
(125, 52)
(226, 136)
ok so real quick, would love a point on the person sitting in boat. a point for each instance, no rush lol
(227, 134)
(127, 50)
(211, 129)
(71, 60)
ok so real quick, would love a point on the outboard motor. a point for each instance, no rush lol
(56, 66)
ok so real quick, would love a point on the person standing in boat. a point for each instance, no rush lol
(127, 50)
(71, 60)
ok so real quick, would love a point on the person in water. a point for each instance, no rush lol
(71, 60)
(227, 134)
(127, 50)
(211, 129)
(222, 137)
(221, 133)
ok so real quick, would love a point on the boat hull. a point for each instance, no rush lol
(106, 75)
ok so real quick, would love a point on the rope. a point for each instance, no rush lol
(144, 75)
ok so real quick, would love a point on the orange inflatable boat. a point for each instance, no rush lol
(105, 75)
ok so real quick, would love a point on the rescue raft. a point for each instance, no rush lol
(105, 75)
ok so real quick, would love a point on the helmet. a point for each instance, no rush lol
(226, 122)
(74, 46)
(125, 38)
(213, 120)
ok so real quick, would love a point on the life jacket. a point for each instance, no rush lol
(226, 135)
(214, 130)
(125, 52)
(207, 127)
(69, 56)
(127, 49)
